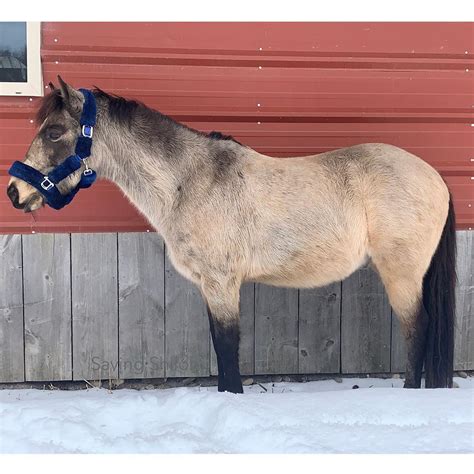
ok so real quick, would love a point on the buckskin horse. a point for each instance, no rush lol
(229, 214)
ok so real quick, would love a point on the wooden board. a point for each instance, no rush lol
(276, 330)
(365, 324)
(94, 306)
(47, 300)
(247, 332)
(11, 310)
(186, 327)
(141, 261)
(319, 330)
(167, 318)
(464, 332)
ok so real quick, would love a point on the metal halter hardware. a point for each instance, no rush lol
(47, 185)
(88, 171)
(87, 131)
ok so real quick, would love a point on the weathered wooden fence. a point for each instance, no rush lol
(108, 306)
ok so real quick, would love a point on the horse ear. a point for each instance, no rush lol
(72, 98)
(51, 86)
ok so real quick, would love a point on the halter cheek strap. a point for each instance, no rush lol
(47, 184)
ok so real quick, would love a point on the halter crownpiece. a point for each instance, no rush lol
(47, 184)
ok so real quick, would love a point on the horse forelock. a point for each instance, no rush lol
(50, 103)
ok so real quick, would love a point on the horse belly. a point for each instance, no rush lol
(314, 266)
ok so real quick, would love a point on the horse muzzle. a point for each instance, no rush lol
(23, 198)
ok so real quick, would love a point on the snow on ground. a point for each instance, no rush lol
(313, 417)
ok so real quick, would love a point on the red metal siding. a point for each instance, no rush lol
(286, 89)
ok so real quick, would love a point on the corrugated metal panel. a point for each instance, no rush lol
(285, 89)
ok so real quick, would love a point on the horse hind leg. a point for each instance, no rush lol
(405, 295)
(408, 306)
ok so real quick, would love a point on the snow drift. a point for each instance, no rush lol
(313, 417)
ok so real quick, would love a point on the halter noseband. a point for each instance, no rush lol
(46, 184)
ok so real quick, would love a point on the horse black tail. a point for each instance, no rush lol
(439, 301)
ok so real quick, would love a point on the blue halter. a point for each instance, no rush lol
(46, 184)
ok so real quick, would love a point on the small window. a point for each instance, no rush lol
(20, 61)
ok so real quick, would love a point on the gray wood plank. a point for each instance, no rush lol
(398, 347)
(276, 330)
(247, 332)
(319, 329)
(464, 332)
(47, 300)
(365, 324)
(186, 327)
(11, 310)
(141, 261)
(94, 306)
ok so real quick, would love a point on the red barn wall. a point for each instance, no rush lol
(285, 89)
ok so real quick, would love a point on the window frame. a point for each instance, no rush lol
(34, 84)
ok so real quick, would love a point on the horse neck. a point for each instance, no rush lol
(139, 161)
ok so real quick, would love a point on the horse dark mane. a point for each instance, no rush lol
(120, 109)
(219, 136)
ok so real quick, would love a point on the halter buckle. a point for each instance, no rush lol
(88, 171)
(47, 184)
(87, 131)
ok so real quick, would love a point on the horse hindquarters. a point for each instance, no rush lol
(424, 303)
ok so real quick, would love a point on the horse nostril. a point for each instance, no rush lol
(13, 194)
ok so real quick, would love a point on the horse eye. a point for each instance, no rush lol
(54, 135)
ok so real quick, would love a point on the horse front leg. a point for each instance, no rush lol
(224, 323)
(220, 367)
